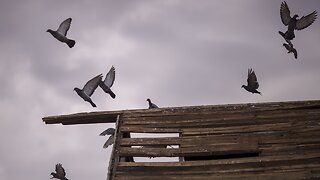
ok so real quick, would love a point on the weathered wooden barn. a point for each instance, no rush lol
(278, 140)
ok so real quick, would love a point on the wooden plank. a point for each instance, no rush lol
(83, 118)
(110, 116)
(224, 120)
(270, 174)
(213, 150)
(275, 138)
(252, 172)
(193, 164)
(115, 159)
(285, 127)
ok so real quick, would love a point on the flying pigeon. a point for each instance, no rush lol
(290, 48)
(109, 131)
(108, 82)
(61, 33)
(88, 89)
(252, 82)
(60, 173)
(293, 23)
(151, 105)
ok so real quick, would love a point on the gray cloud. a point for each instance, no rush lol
(177, 53)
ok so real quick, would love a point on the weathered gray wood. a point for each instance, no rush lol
(192, 151)
(279, 140)
(114, 158)
(110, 116)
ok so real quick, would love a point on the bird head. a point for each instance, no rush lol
(49, 30)
(77, 90)
(243, 86)
(148, 100)
(53, 175)
(295, 16)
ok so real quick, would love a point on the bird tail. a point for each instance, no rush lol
(106, 89)
(71, 43)
(92, 104)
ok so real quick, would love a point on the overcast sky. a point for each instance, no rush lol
(176, 52)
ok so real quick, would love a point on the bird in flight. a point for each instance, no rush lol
(151, 105)
(61, 33)
(108, 82)
(60, 173)
(88, 89)
(110, 141)
(293, 23)
(290, 48)
(252, 83)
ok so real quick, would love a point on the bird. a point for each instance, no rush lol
(252, 83)
(108, 82)
(151, 105)
(88, 89)
(61, 33)
(293, 23)
(60, 173)
(110, 141)
(290, 48)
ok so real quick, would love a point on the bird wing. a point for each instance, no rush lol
(64, 26)
(92, 85)
(289, 42)
(154, 105)
(285, 13)
(306, 21)
(109, 131)
(109, 141)
(287, 46)
(60, 171)
(252, 79)
(110, 77)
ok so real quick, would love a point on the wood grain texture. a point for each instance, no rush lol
(279, 140)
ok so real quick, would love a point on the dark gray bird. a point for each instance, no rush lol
(61, 33)
(290, 48)
(110, 141)
(293, 23)
(151, 105)
(60, 173)
(108, 82)
(252, 83)
(88, 89)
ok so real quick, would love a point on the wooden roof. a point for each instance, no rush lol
(239, 141)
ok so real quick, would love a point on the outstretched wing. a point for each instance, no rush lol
(109, 131)
(285, 13)
(109, 141)
(92, 85)
(60, 171)
(110, 77)
(64, 26)
(306, 21)
(289, 42)
(287, 46)
(252, 79)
